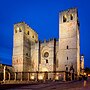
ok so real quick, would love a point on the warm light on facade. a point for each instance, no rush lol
(17, 28)
(84, 73)
(57, 78)
(88, 75)
(40, 77)
(32, 77)
(44, 69)
(65, 16)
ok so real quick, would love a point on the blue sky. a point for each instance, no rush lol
(43, 17)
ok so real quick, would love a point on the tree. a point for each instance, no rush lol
(87, 70)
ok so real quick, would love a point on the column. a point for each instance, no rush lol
(15, 76)
(28, 76)
(64, 77)
(21, 76)
(9, 75)
(4, 73)
(44, 76)
(54, 76)
(36, 76)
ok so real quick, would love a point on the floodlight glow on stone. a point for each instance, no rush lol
(32, 77)
(40, 77)
(17, 28)
(57, 78)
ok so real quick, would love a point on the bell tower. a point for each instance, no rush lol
(18, 38)
(24, 37)
(69, 43)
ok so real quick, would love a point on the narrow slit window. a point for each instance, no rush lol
(66, 68)
(26, 54)
(67, 47)
(46, 61)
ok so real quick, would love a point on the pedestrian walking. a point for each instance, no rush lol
(85, 80)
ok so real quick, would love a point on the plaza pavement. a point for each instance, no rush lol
(71, 85)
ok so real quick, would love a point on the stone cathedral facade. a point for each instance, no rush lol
(31, 55)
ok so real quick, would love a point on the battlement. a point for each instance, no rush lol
(70, 10)
(22, 28)
(24, 24)
(68, 15)
(50, 40)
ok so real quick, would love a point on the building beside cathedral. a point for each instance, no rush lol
(63, 55)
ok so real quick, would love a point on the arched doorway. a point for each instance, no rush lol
(72, 72)
(45, 70)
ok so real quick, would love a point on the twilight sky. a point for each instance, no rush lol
(43, 17)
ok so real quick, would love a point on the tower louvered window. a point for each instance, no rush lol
(71, 17)
(64, 19)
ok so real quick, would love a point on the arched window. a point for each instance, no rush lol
(28, 32)
(71, 17)
(20, 30)
(33, 36)
(64, 19)
(15, 31)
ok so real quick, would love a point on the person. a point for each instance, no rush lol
(85, 80)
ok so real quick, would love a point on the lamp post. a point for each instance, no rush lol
(4, 73)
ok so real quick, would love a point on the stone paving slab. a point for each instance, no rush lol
(71, 85)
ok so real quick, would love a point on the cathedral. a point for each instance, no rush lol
(63, 55)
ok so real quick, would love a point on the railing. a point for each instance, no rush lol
(6, 75)
(38, 76)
